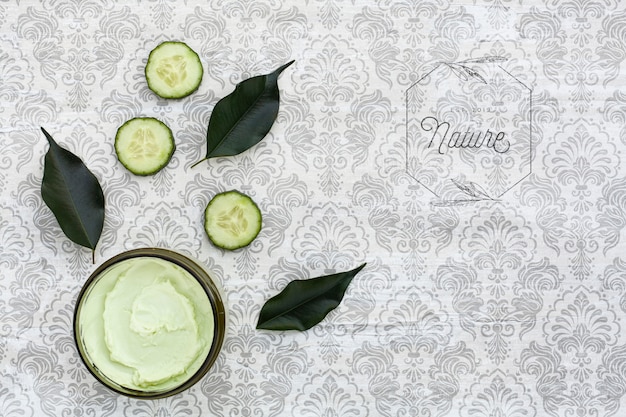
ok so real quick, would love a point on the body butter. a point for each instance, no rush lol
(147, 325)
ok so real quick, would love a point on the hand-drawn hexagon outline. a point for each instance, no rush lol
(513, 78)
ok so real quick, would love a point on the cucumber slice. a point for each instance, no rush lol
(232, 220)
(144, 145)
(173, 70)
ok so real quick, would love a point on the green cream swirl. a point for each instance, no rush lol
(147, 324)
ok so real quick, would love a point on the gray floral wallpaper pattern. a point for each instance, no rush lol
(505, 307)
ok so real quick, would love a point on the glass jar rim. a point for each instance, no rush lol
(204, 278)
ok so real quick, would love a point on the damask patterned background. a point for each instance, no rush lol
(510, 307)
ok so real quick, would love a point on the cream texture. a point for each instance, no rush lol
(146, 324)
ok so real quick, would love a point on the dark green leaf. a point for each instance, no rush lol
(73, 194)
(304, 303)
(243, 118)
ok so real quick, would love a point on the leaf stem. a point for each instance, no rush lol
(198, 163)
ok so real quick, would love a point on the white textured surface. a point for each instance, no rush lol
(509, 308)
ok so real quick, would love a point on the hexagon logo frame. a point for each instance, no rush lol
(469, 131)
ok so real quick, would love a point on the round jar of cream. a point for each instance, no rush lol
(149, 323)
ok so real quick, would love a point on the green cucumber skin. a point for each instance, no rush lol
(164, 161)
(220, 243)
(149, 173)
(174, 95)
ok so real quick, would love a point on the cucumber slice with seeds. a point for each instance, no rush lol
(144, 145)
(173, 70)
(232, 220)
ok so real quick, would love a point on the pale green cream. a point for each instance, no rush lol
(147, 324)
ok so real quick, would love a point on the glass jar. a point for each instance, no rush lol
(147, 312)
